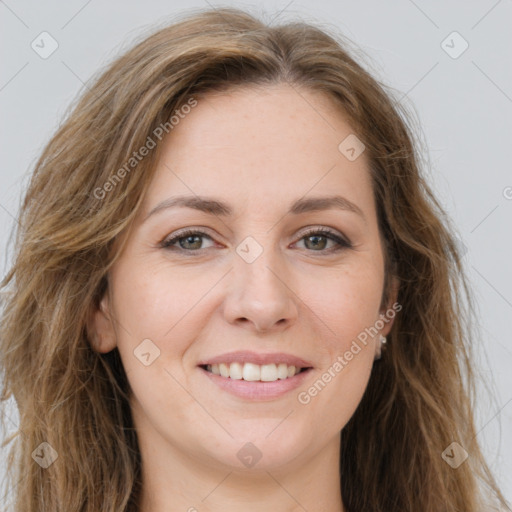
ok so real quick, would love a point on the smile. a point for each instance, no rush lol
(254, 372)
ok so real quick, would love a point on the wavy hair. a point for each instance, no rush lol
(420, 395)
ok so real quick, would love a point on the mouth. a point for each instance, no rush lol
(256, 376)
(254, 372)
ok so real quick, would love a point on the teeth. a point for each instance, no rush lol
(254, 372)
(224, 370)
(268, 372)
(251, 371)
(235, 371)
(282, 371)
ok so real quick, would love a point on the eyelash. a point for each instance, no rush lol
(342, 244)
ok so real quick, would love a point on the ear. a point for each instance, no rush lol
(393, 296)
(387, 319)
(100, 326)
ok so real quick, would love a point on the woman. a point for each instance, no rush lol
(233, 287)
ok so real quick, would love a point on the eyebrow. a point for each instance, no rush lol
(215, 207)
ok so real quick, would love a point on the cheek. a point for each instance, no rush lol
(347, 389)
(349, 308)
(170, 307)
(154, 329)
(348, 305)
(153, 301)
(153, 317)
(335, 392)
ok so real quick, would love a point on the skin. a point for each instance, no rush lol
(257, 149)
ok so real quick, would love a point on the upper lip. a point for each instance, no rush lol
(246, 356)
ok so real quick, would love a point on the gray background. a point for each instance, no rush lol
(463, 105)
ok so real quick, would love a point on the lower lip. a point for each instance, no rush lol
(257, 390)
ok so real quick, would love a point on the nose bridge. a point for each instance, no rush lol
(257, 268)
(259, 293)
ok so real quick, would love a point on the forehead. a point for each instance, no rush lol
(258, 145)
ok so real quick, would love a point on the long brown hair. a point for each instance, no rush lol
(420, 395)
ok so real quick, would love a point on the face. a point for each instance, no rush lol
(260, 269)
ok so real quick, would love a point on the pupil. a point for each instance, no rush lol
(316, 237)
(190, 239)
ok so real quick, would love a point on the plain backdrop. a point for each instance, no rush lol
(449, 61)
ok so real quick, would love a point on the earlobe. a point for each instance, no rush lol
(388, 317)
(100, 327)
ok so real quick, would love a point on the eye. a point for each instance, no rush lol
(188, 240)
(317, 239)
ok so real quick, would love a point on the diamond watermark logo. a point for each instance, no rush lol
(147, 352)
(351, 147)
(44, 45)
(45, 455)
(249, 250)
(249, 455)
(454, 45)
(454, 455)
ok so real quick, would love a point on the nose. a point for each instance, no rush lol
(259, 295)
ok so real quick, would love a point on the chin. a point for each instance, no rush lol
(263, 450)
